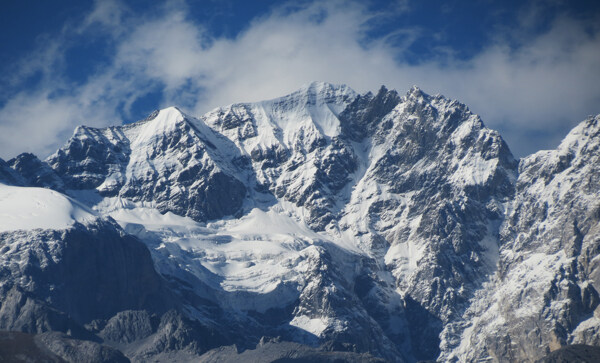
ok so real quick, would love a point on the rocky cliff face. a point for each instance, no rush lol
(166, 161)
(88, 272)
(395, 225)
(544, 293)
(9, 176)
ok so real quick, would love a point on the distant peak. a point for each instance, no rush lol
(172, 111)
(319, 87)
(586, 132)
(382, 89)
(168, 115)
(385, 93)
(159, 122)
(322, 91)
(171, 114)
(82, 130)
(416, 92)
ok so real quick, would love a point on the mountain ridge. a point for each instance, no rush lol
(371, 223)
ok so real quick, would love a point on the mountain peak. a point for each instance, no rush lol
(319, 92)
(415, 93)
(164, 121)
(171, 114)
(321, 86)
(587, 131)
(172, 110)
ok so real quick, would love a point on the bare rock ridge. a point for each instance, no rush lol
(321, 225)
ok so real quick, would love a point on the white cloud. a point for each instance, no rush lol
(106, 13)
(37, 122)
(542, 88)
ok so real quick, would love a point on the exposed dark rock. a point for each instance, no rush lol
(54, 347)
(277, 351)
(89, 156)
(364, 114)
(36, 172)
(88, 272)
(9, 176)
(573, 353)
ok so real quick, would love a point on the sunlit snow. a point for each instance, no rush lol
(31, 208)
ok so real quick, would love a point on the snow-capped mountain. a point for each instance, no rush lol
(395, 227)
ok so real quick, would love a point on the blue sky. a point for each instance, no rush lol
(530, 69)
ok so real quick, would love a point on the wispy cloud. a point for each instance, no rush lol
(532, 92)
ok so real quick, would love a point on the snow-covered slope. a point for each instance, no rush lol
(26, 208)
(395, 225)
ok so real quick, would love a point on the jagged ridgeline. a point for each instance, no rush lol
(323, 225)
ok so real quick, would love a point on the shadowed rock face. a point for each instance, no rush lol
(36, 172)
(9, 176)
(274, 350)
(352, 227)
(96, 284)
(361, 118)
(85, 272)
(573, 353)
(59, 281)
(54, 347)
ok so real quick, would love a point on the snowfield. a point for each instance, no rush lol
(23, 208)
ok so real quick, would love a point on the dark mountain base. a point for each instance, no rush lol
(284, 352)
(53, 347)
(573, 353)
